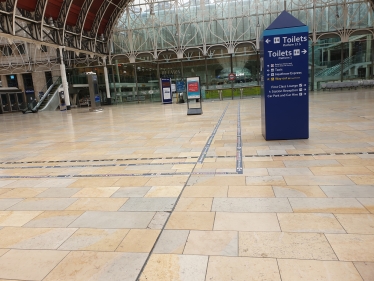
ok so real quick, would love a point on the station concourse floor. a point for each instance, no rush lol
(129, 194)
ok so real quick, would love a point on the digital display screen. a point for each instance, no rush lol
(165, 84)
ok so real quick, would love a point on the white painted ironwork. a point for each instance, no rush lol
(178, 25)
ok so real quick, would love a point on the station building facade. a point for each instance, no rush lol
(177, 39)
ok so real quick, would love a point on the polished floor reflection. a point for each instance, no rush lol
(145, 192)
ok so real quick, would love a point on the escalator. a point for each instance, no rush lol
(49, 96)
(50, 99)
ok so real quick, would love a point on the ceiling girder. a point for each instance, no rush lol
(25, 24)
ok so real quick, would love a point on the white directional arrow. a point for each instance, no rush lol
(304, 51)
(267, 41)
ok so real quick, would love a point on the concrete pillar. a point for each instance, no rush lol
(38, 79)
(21, 85)
(64, 80)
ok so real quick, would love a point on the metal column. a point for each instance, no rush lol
(312, 70)
(64, 80)
(108, 97)
(232, 84)
(341, 61)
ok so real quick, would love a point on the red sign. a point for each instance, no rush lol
(193, 87)
(232, 76)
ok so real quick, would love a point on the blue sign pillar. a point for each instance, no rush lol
(284, 79)
(166, 94)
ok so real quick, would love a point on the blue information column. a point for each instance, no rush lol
(284, 79)
(166, 95)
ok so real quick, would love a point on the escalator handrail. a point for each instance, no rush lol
(58, 81)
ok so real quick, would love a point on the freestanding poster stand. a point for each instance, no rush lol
(284, 79)
(165, 85)
(193, 93)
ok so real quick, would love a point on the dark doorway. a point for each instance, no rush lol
(27, 81)
(48, 78)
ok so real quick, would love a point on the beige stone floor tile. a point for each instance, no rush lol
(357, 162)
(250, 191)
(33, 238)
(311, 162)
(246, 222)
(5, 190)
(54, 219)
(194, 205)
(179, 167)
(139, 241)
(298, 191)
(171, 242)
(191, 220)
(222, 243)
(368, 203)
(352, 247)
(95, 182)
(326, 205)
(29, 264)
(251, 171)
(371, 168)
(42, 204)
(95, 266)
(205, 191)
(164, 191)
(357, 223)
(58, 192)
(102, 219)
(362, 179)
(96, 192)
(25, 183)
(318, 180)
(7, 203)
(242, 269)
(304, 171)
(346, 170)
(175, 267)
(218, 180)
(17, 218)
(4, 183)
(335, 157)
(125, 192)
(285, 245)
(167, 181)
(251, 205)
(311, 270)
(220, 165)
(262, 164)
(97, 204)
(159, 220)
(89, 239)
(265, 180)
(366, 270)
(3, 251)
(310, 222)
